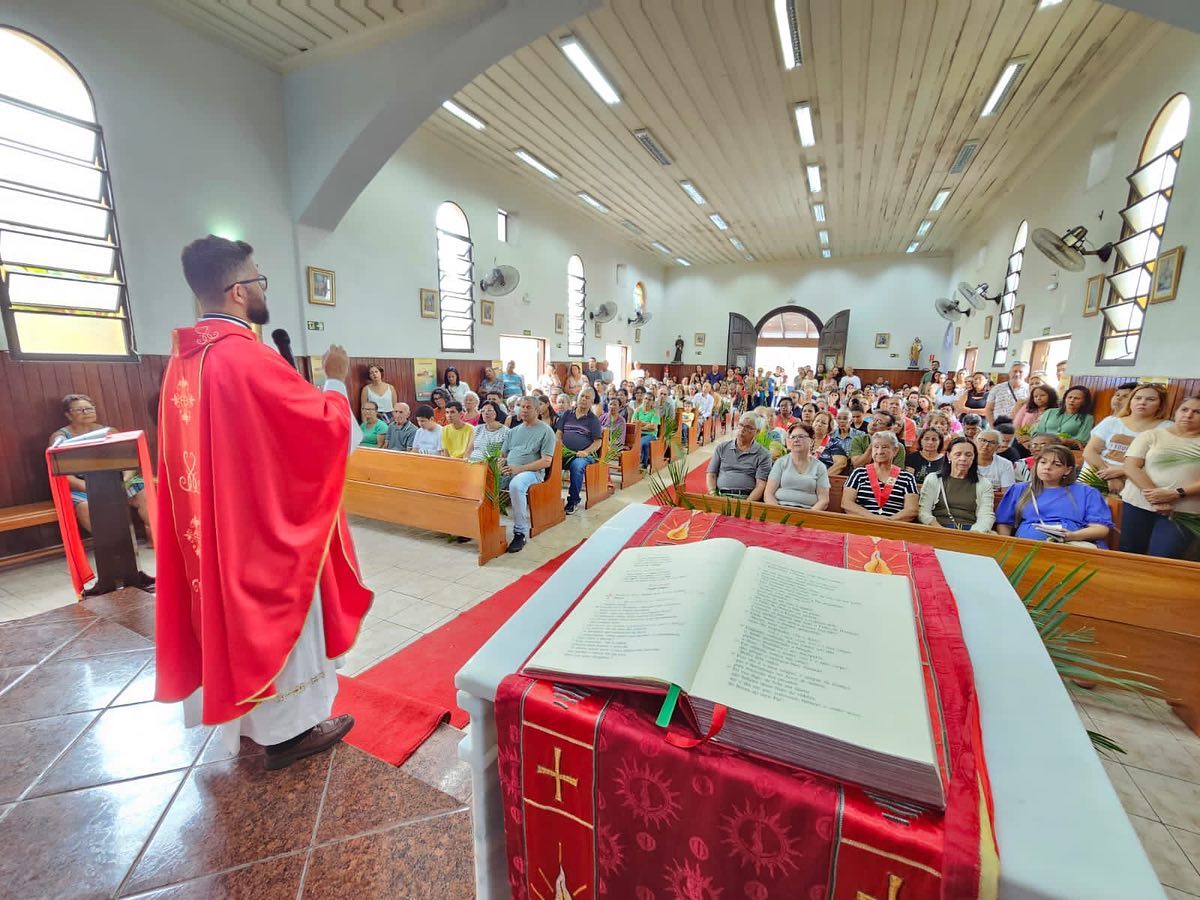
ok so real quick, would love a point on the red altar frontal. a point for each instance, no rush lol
(601, 802)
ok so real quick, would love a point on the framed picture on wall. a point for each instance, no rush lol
(429, 303)
(597, 329)
(699, 339)
(560, 323)
(487, 312)
(883, 340)
(987, 328)
(322, 287)
(957, 334)
(1091, 298)
(1166, 276)
(1018, 318)
(637, 335)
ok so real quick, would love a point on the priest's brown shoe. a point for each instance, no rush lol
(319, 739)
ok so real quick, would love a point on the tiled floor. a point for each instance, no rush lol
(103, 793)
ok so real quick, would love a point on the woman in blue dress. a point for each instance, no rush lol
(1053, 506)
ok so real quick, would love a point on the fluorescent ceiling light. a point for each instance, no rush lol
(455, 110)
(632, 227)
(587, 67)
(826, 253)
(737, 244)
(814, 179)
(749, 257)
(527, 157)
(661, 248)
(913, 247)
(940, 200)
(592, 201)
(1003, 85)
(789, 33)
(1046, 4)
(716, 219)
(823, 236)
(682, 261)
(804, 125)
(923, 228)
(819, 212)
(690, 190)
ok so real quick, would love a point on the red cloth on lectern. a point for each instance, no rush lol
(251, 461)
(599, 803)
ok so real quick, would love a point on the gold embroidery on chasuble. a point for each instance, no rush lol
(895, 882)
(557, 774)
(189, 481)
(183, 400)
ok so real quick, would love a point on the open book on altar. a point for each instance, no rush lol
(817, 666)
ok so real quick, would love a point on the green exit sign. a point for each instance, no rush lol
(315, 326)
(527, 332)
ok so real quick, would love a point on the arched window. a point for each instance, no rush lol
(1144, 218)
(62, 281)
(456, 278)
(1008, 300)
(576, 306)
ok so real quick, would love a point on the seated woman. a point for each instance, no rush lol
(1162, 468)
(1053, 506)
(439, 398)
(928, 455)
(1072, 420)
(1042, 399)
(1143, 409)
(374, 429)
(491, 382)
(798, 478)
(471, 408)
(955, 495)
(575, 381)
(825, 446)
(80, 411)
(491, 430)
(880, 488)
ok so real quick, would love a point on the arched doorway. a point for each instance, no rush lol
(788, 337)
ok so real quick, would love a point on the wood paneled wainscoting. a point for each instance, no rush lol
(1103, 386)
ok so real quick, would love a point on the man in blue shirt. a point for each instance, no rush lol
(582, 434)
(514, 384)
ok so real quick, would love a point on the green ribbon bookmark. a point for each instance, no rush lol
(668, 707)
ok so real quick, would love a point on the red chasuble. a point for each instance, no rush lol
(251, 461)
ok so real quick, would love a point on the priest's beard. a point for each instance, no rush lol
(258, 313)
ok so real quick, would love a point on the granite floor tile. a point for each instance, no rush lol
(74, 612)
(102, 638)
(389, 603)
(72, 685)
(365, 794)
(231, 813)
(125, 742)
(272, 879)
(8, 676)
(1176, 802)
(1169, 861)
(1189, 843)
(1150, 746)
(1132, 798)
(215, 751)
(457, 596)
(80, 844)
(436, 763)
(141, 689)
(28, 645)
(427, 859)
(29, 748)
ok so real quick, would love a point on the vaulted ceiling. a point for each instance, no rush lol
(896, 88)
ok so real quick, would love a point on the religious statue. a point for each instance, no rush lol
(678, 349)
(914, 354)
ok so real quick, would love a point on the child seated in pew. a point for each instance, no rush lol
(428, 439)
(686, 420)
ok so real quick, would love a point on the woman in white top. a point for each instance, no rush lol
(1162, 472)
(491, 430)
(947, 392)
(379, 392)
(548, 379)
(454, 385)
(1144, 410)
(575, 380)
(798, 479)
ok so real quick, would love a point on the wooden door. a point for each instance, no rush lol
(743, 338)
(831, 351)
(970, 357)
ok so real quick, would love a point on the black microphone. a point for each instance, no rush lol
(283, 343)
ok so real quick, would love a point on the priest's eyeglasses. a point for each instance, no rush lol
(261, 279)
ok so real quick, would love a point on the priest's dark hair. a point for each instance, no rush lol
(209, 263)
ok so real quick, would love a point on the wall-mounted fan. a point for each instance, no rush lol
(500, 281)
(639, 320)
(605, 312)
(1068, 251)
(949, 309)
(977, 296)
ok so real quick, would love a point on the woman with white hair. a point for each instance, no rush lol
(471, 408)
(881, 488)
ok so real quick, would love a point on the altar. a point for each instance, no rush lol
(1059, 825)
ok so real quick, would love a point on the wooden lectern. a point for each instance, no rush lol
(100, 463)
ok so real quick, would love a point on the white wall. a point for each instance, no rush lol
(885, 294)
(195, 141)
(1055, 194)
(384, 252)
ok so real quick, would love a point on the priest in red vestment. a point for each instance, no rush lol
(258, 587)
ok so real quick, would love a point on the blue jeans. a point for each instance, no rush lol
(646, 441)
(575, 467)
(1148, 533)
(518, 498)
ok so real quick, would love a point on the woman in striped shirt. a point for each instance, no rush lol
(881, 488)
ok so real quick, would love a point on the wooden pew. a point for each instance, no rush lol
(433, 492)
(693, 440)
(545, 499)
(629, 462)
(1143, 609)
(710, 429)
(596, 485)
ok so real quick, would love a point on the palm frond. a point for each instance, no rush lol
(1089, 476)
(669, 491)
(1189, 521)
(497, 495)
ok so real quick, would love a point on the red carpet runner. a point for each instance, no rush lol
(399, 702)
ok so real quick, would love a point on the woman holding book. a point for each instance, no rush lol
(799, 479)
(955, 495)
(881, 488)
(1053, 505)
